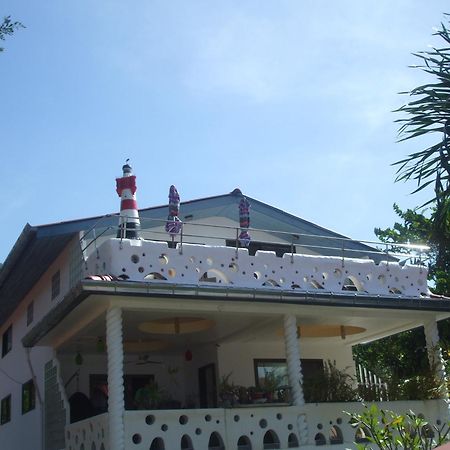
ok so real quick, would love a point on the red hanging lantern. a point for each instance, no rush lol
(188, 355)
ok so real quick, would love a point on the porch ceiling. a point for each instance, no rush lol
(244, 321)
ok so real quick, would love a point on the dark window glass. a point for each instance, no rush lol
(28, 396)
(56, 285)
(5, 415)
(7, 341)
(30, 313)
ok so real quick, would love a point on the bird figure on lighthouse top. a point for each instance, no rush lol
(129, 222)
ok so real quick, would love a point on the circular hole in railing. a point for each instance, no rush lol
(183, 419)
(233, 267)
(338, 420)
(150, 419)
(257, 275)
(208, 418)
(263, 423)
(163, 259)
(279, 416)
(140, 269)
(282, 280)
(381, 279)
(137, 438)
(369, 276)
(337, 273)
(236, 418)
(164, 427)
(290, 426)
(305, 279)
(172, 272)
(325, 275)
(134, 259)
(198, 431)
(209, 261)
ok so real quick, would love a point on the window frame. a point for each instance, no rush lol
(56, 284)
(30, 389)
(5, 410)
(7, 339)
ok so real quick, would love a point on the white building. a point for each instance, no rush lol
(83, 312)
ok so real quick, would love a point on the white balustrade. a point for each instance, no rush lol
(139, 260)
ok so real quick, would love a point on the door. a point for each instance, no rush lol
(207, 386)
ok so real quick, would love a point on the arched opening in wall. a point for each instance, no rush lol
(336, 436)
(154, 276)
(157, 444)
(395, 291)
(351, 284)
(361, 435)
(215, 442)
(244, 443)
(271, 283)
(427, 431)
(271, 440)
(319, 439)
(214, 276)
(186, 443)
(315, 284)
(292, 441)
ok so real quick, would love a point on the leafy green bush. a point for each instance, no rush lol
(386, 430)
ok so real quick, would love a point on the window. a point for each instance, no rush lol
(5, 415)
(7, 341)
(30, 313)
(278, 367)
(28, 396)
(56, 284)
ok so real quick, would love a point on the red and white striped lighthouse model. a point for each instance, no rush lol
(129, 223)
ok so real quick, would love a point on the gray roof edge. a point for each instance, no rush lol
(25, 237)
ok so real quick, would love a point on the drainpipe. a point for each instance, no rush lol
(295, 372)
(116, 404)
(435, 358)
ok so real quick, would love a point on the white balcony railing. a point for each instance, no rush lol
(195, 264)
(252, 427)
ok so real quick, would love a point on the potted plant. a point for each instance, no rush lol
(227, 391)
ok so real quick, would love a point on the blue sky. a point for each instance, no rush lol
(289, 100)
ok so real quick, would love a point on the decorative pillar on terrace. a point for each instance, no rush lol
(129, 223)
(116, 404)
(435, 355)
(295, 372)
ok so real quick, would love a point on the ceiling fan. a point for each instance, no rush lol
(142, 360)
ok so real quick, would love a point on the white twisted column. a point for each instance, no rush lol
(116, 404)
(295, 372)
(435, 355)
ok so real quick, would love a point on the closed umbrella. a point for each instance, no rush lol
(244, 222)
(173, 224)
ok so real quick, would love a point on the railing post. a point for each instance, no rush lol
(181, 238)
(292, 249)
